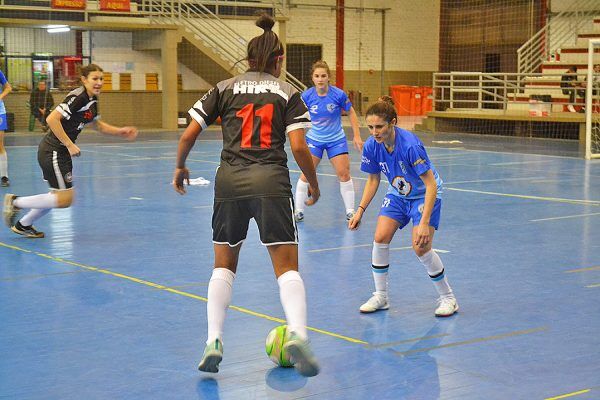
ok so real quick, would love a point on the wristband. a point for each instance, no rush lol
(364, 209)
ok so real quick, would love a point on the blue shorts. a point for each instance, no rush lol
(404, 210)
(3, 123)
(333, 149)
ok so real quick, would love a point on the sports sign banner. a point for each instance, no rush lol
(69, 4)
(115, 5)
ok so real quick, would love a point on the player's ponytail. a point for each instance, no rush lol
(384, 109)
(264, 50)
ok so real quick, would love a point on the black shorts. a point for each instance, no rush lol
(273, 215)
(57, 166)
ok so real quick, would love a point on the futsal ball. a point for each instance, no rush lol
(274, 346)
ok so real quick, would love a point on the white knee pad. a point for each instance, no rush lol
(381, 254)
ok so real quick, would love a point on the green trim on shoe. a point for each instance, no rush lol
(213, 354)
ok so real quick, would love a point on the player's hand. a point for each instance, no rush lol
(358, 143)
(129, 132)
(313, 195)
(354, 222)
(181, 175)
(422, 235)
(74, 150)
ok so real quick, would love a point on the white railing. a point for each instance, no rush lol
(208, 28)
(502, 91)
(560, 30)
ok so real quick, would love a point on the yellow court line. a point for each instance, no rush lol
(564, 396)
(597, 267)
(175, 291)
(593, 286)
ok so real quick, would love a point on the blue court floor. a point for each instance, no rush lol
(111, 304)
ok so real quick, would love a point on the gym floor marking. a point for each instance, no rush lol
(175, 291)
(418, 339)
(596, 268)
(565, 217)
(564, 396)
(477, 340)
(367, 245)
(520, 196)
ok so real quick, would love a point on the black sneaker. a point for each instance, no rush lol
(4, 182)
(27, 231)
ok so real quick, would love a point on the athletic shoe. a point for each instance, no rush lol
(4, 182)
(299, 216)
(349, 215)
(446, 307)
(376, 302)
(301, 355)
(10, 211)
(213, 354)
(27, 231)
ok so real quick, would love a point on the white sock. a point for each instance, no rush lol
(347, 191)
(46, 200)
(380, 261)
(219, 297)
(435, 270)
(293, 300)
(301, 195)
(33, 215)
(3, 164)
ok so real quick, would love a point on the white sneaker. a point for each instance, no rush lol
(349, 215)
(446, 307)
(299, 216)
(376, 302)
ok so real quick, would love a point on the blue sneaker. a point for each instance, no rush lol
(301, 355)
(213, 354)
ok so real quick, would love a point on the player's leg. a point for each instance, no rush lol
(4, 181)
(341, 164)
(316, 150)
(274, 217)
(230, 226)
(432, 262)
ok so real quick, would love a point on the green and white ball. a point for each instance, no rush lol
(274, 346)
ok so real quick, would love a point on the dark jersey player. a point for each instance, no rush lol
(257, 112)
(66, 121)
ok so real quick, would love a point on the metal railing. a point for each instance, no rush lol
(561, 29)
(505, 91)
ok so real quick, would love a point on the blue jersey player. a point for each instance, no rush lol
(6, 89)
(413, 194)
(325, 104)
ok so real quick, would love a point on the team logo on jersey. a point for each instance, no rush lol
(69, 177)
(402, 185)
(87, 115)
(331, 107)
(314, 109)
(365, 160)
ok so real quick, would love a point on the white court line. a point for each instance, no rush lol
(565, 217)
(136, 198)
(489, 180)
(367, 245)
(518, 163)
(593, 286)
(520, 196)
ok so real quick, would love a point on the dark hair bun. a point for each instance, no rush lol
(265, 21)
(387, 100)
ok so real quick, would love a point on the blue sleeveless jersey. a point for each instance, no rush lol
(326, 114)
(402, 167)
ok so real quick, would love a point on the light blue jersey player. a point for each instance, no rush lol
(413, 195)
(6, 89)
(325, 104)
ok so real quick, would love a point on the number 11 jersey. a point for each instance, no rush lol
(257, 111)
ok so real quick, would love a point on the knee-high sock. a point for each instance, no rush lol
(435, 270)
(347, 191)
(220, 288)
(293, 300)
(3, 164)
(301, 195)
(381, 262)
(33, 215)
(46, 200)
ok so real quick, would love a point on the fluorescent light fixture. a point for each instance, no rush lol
(57, 28)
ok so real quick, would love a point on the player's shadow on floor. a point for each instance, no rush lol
(208, 389)
(285, 379)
